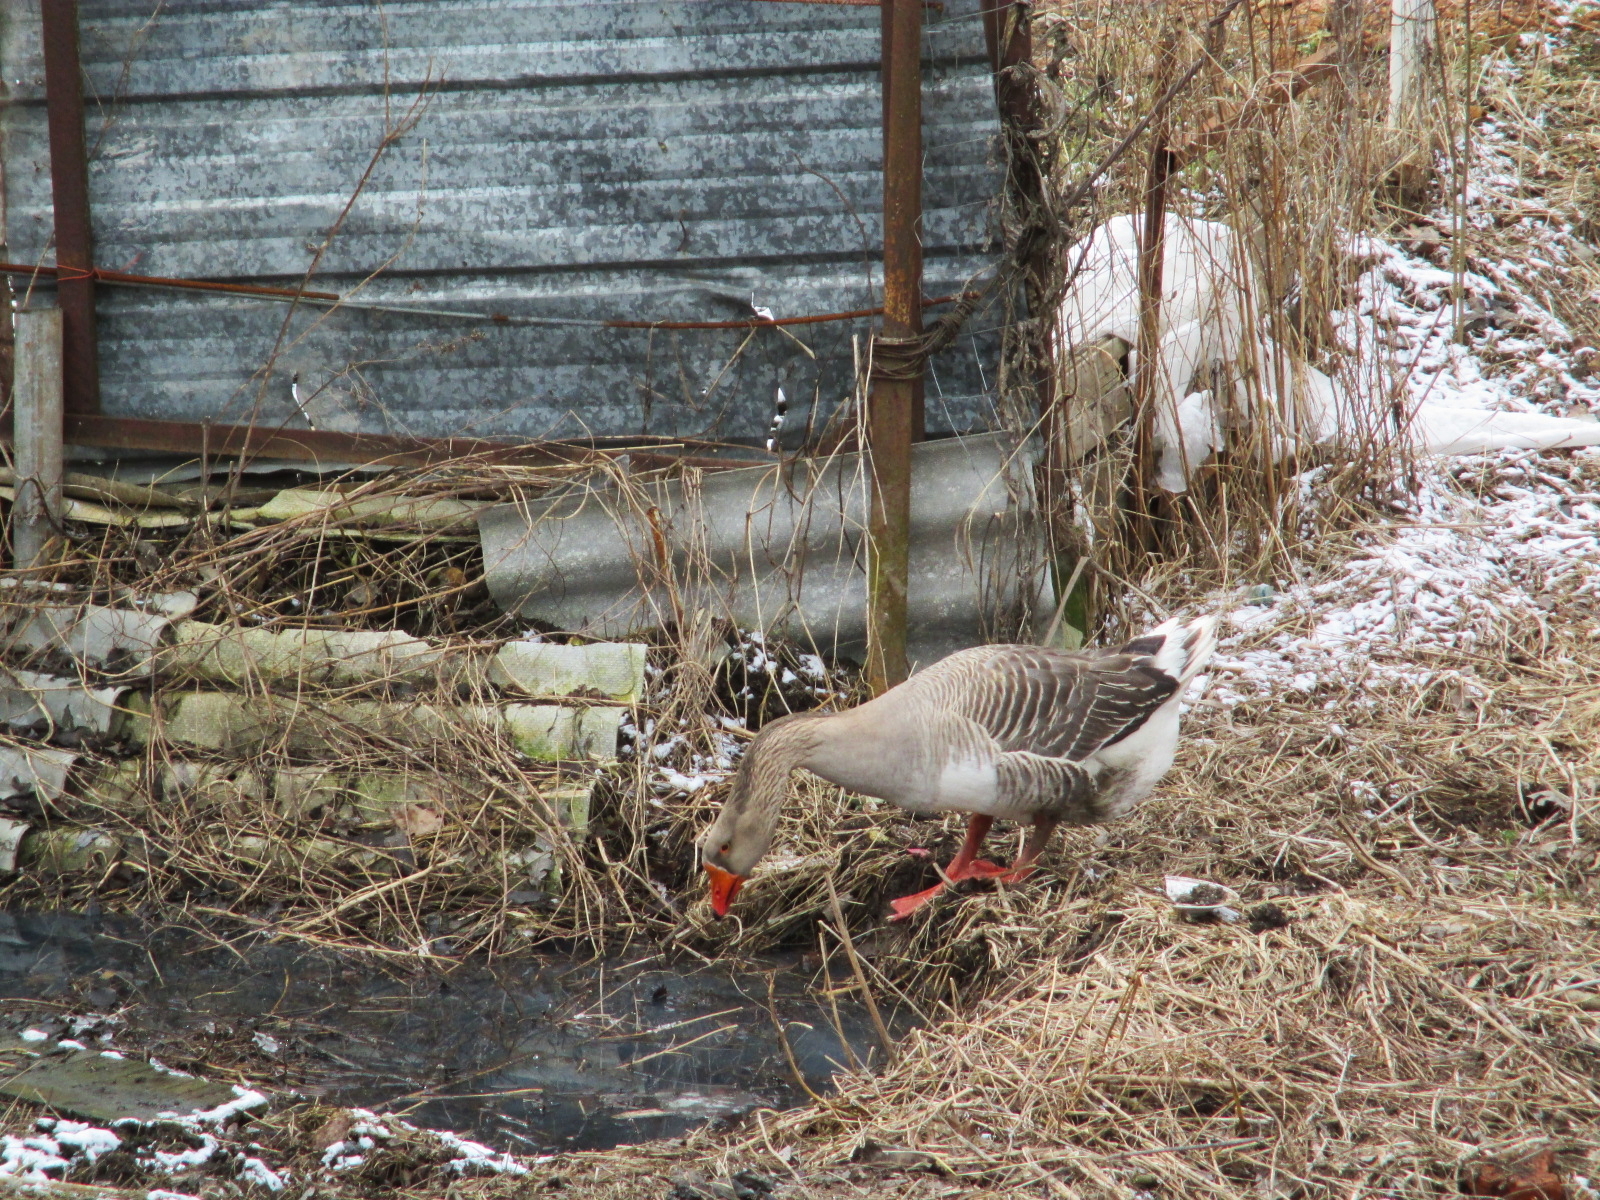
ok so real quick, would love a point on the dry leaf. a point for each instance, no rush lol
(1533, 1178)
(337, 1129)
(417, 820)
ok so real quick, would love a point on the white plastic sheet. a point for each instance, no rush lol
(1208, 295)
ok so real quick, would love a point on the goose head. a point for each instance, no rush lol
(742, 833)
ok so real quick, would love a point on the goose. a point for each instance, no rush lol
(1002, 732)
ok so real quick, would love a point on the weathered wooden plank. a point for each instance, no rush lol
(36, 435)
(101, 1088)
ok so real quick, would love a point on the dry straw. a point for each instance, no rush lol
(1413, 990)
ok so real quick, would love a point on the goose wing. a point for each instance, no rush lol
(1064, 706)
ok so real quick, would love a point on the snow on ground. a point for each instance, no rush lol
(685, 759)
(1519, 356)
(1466, 558)
(1487, 539)
(207, 1142)
(1450, 577)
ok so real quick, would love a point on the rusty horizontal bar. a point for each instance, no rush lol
(320, 445)
(66, 273)
(250, 289)
(758, 322)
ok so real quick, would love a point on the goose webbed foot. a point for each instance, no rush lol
(966, 865)
(979, 868)
(902, 908)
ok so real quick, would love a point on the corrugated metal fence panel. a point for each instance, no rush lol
(612, 159)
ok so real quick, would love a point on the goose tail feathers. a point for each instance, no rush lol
(1180, 649)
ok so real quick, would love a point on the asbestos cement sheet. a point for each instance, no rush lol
(29, 699)
(782, 549)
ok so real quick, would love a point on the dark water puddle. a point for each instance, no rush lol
(534, 1054)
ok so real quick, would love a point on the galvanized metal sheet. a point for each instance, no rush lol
(636, 159)
(781, 548)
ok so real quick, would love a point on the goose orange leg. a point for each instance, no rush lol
(967, 864)
(1038, 838)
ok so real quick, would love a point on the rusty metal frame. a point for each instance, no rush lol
(894, 411)
(331, 446)
(76, 277)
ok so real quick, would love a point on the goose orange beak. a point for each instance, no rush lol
(725, 886)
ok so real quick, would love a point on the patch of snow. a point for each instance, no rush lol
(98, 1024)
(88, 1142)
(31, 1158)
(33, 1035)
(244, 1099)
(475, 1157)
(253, 1170)
(172, 1162)
(688, 784)
(1450, 579)
(369, 1129)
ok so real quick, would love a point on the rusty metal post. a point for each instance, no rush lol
(36, 436)
(893, 416)
(69, 183)
(1152, 259)
(902, 166)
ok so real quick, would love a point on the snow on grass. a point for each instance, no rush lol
(1517, 354)
(34, 1159)
(1467, 560)
(244, 1099)
(55, 1148)
(86, 1141)
(206, 1143)
(370, 1132)
(685, 758)
(474, 1158)
(253, 1170)
(1451, 578)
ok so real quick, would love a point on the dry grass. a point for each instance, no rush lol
(1413, 991)
(1412, 994)
(324, 873)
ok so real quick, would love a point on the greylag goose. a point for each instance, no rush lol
(1010, 733)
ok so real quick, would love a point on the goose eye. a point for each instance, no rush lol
(726, 846)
